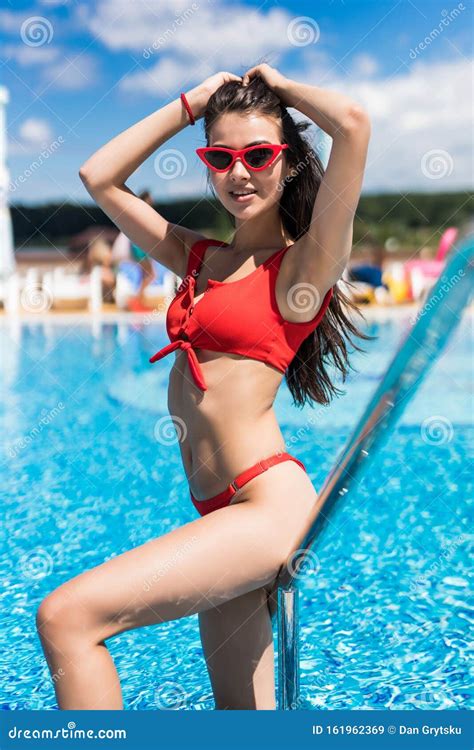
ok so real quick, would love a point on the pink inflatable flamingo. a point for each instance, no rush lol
(422, 273)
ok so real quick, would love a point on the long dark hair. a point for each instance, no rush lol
(307, 376)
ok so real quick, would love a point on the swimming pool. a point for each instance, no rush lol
(91, 469)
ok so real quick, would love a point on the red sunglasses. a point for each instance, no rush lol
(256, 158)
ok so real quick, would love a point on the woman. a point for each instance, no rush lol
(122, 250)
(99, 253)
(244, 312)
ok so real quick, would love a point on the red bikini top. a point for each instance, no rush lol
(240, 317)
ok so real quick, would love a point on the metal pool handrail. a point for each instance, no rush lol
(436, 321)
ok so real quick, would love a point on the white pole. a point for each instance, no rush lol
(7, 256)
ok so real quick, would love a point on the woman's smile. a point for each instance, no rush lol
(242, 195)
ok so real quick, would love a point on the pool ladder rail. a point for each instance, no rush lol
(436, 320)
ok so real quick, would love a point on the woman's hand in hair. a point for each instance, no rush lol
(198, 97)
(272, 77)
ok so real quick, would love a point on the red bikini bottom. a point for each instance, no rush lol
(224, 497)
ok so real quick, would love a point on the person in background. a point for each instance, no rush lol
(371, 271)
(99, 253)
(368, 273)
(124, 249)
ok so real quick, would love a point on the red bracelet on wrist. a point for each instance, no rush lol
(188, 109)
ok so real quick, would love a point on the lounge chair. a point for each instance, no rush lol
(73, 291)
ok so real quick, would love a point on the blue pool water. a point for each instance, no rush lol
(384, 603)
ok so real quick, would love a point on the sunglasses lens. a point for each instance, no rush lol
(258, 157)
(218, 159)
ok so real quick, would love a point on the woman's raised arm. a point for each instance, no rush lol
(105, 172)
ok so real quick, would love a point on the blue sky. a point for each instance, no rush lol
(78, 73)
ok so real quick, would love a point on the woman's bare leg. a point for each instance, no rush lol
(148, 276)
(196, 567)
(237, 639)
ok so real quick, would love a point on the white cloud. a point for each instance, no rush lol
(72, 73)
(58, 70)
(420, 109)
(364, 65)
(10, 22)
(427, 107)
(33, 134)
(35, 131)
(53, 3)
(198, 34)
(28, 56)
(165, 77)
